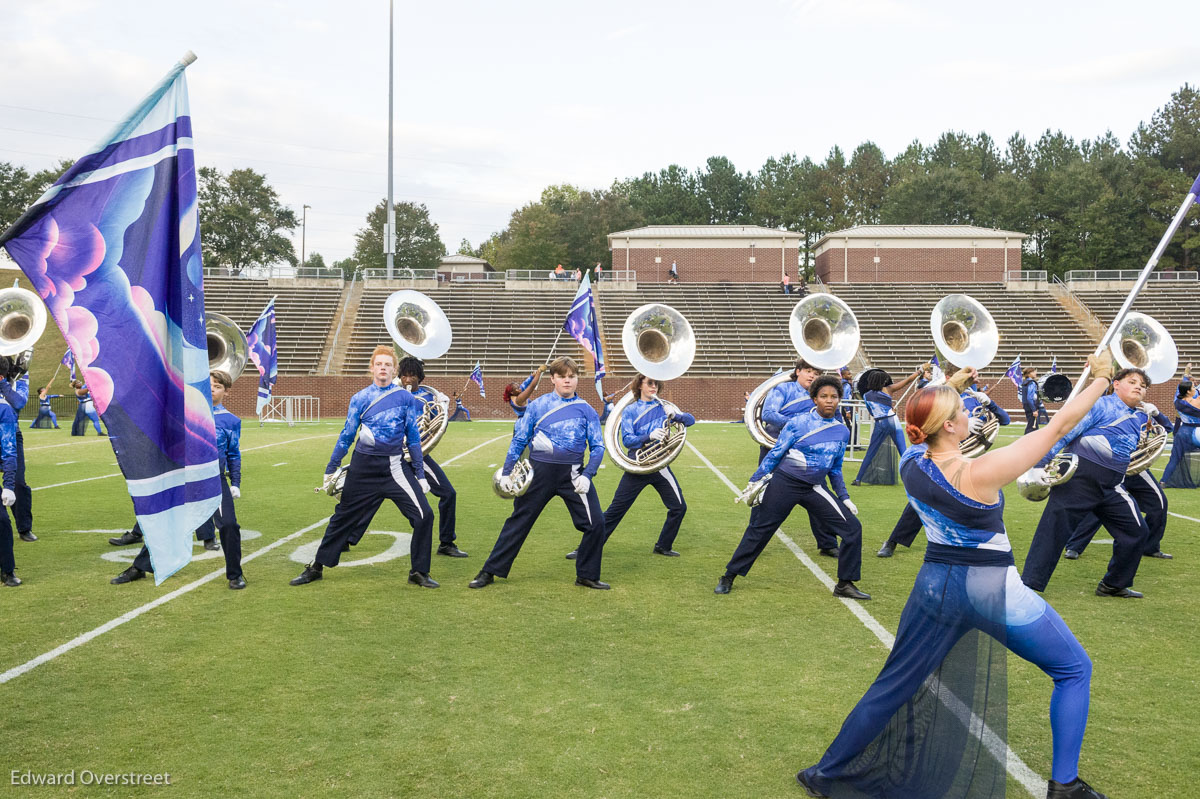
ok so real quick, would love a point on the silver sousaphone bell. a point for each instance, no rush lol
(22, 322)
(228, 350)
(1143, 343)
(421, 328)
(964, 331)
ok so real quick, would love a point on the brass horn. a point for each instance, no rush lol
(1143, 343)
(659, 343)
(825, 333)
(965, 332)
(22, 320)
(228, 350)
(417, 324)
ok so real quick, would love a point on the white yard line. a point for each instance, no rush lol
(1022, 773)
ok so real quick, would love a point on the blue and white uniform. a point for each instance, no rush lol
(46, 417)
(16, 395)
(439, 484)
(385, 421)
(967, 590)
(460, 410)
(784, 403)
(1104, 441)
(84, 413)
(809, 449)
(1031, 403)
(887, 426)
(1179, 472)
(517, 409)
(8, 461)
(638, 421)
(558, 432)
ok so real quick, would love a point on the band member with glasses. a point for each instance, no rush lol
(966, 608)
(880, 396)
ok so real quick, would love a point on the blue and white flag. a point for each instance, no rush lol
(937, 375)
(477, 378)
(582, 325)
(69, 360)
(113, 248)
(263, 354)
(1053, 364)
(1013, 372)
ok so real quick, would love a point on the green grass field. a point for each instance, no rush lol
(362, 685)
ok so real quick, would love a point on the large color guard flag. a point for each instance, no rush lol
(581, 324)
(264, 356)
(1013, 372)
(477, 378)
(113, 248)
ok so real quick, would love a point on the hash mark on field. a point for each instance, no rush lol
(66, 463)
(281, 463)
(1029, 779)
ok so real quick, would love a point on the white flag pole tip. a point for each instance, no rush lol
(188, 58)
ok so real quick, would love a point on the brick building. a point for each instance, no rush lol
(918, 254)
(706, 253)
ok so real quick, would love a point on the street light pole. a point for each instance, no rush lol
(303, 235)
(389, 228)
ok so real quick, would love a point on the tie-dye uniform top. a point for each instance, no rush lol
(8, 444)
(784, 402)
(879, 403)
(809, 447)
(558, 430)
(16, 393)
(1107, 436)
(644, 417)
(385, 427)
(229, 436)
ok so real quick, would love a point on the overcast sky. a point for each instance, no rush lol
(495, 101)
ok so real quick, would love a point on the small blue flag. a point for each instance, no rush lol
(477, 378)
(1053, 364)
(937, 375)
(69, 360)
(581, 324)
(263, 354)
(1013, 372)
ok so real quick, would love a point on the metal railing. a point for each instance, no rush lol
(1064, 291)
(470, 277)
(1087, 275)
(569, 276)
(276, 271)
(292, 410)
(1026, 276)
(400, 273)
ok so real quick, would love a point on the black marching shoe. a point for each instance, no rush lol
(587, 582)
(1104, 589)
(1158, 553)
(128, 576)
(482, 579)
(211, 545)
(724, 585)
(237, 583)
(887, 550)
(808, 788)
(848, 590)
(668, 552)
(312, 572)
(574, 553)
(1072, 790)
(1071, 554)
(9, 579)
(829, 552)
(125, 539)
(30, 537)
(422, 579)
(451, 551)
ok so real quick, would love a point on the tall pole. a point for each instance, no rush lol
(389, 228)
(303, 234)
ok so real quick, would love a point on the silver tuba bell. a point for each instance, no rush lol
(521, 476)
(1142, 342)
(825, 333)
(965, 332)
(660, 344)
(228, 350)
(22, 322)
(420, 327)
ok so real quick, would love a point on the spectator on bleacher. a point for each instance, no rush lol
(599, 272)
(1183, 469)
(1031, 400)
(803, 287)
(786, 284)
(560, 273)
(879, 392)
(578, 275)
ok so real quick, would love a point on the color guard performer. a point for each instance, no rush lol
(45, 417)
(384, 418)
(517, 396)
(880, 396)
(558, 428)
(85, 412)
(1180, 473)
(810, 447)
(899, 740)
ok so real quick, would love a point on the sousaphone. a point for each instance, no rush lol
(22, 322)
(228, 350)
(965, 332)
(1143, 343)
(420, 328)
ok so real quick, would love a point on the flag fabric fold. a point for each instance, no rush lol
(477, 378)
(113, 248)
(69, 360)
(264, 355)
(1013, 372)
(937, 376)
(581, 324)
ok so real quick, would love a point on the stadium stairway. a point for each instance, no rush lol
(1172, 304)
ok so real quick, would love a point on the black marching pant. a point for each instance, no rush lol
(23, 509)
(369, 481)
(824, 538)
(1151, 501)
(439, 486)
(1093, 489)
(907, 527)
(8, 562)
(784, 493)
(663, 481)
(549, 480)
(225, 520)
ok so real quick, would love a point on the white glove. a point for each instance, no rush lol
(328, 481)
(670, 415)
(750, 490)
(424, 485)
(581, 483)
(974, 425)
(235, 492)
(850, 506)
(1037, 474)
(9, 497)
(506, 484)
(1150, 408)
(659, 434)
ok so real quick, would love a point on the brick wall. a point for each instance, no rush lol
(704, 265)
(915, 265)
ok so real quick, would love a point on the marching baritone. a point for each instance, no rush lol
(558, 428)
(643, 422)
(412, 373)
(810, 447)
(384, 418)
(229, 434)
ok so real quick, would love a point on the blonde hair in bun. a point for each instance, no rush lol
(928, 410)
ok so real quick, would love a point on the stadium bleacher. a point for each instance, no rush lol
(1172, 304)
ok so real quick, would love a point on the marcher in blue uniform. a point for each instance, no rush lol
(384, 418)
(847, 395)
(1031, 400)
(229, 434)
(45, 418)
(558, 428)
(517, 396)
(85, 412)
(643, 422)
(1182, 469)
(14, 390)
(879, 395)
(783, 403)
(925, 378)
(1104, 441)
(909, 524)
(8, 496)
(809, 449)
(899, 741)
(412, 373)
(459, 408)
